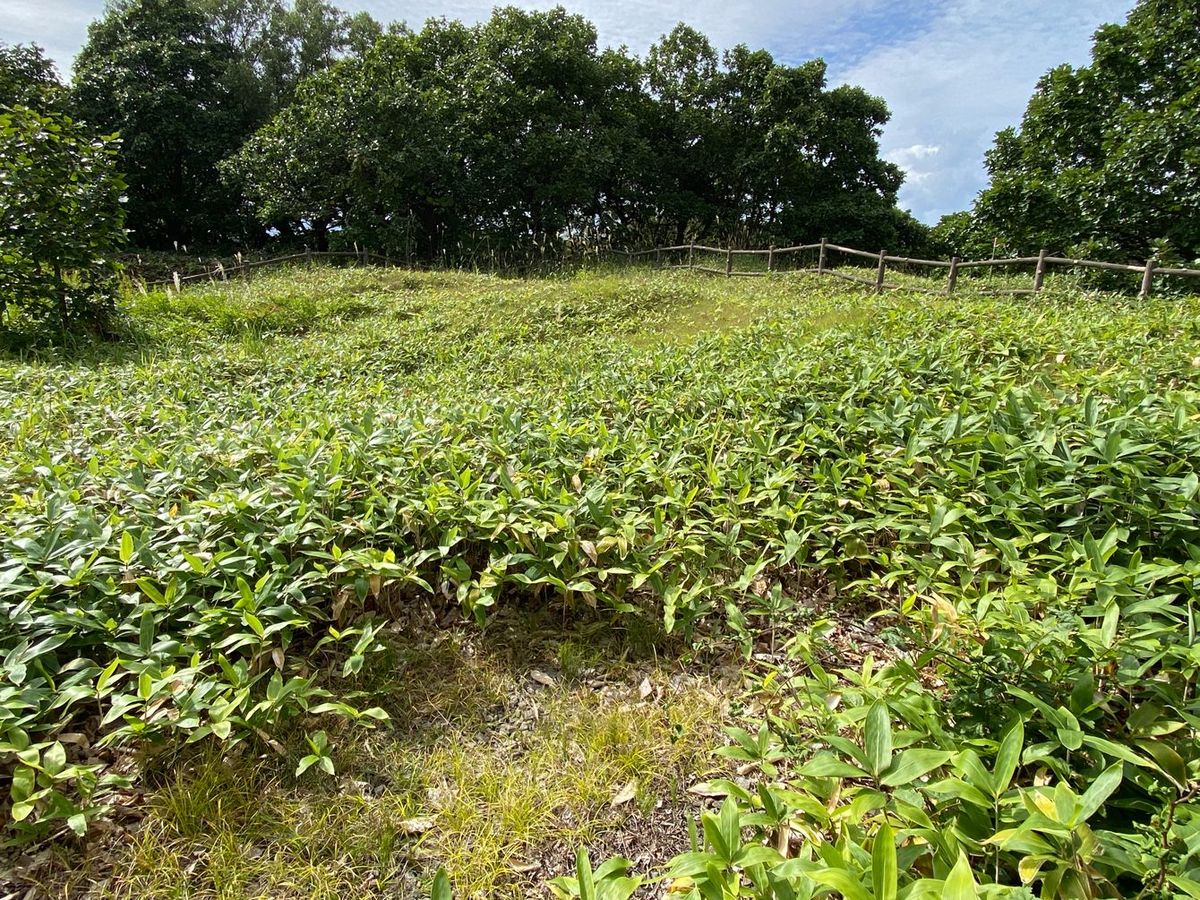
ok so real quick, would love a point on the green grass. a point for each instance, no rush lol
(248, 521)
(481, 770)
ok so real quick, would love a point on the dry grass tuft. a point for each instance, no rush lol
(489, 767)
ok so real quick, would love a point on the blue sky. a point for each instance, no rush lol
(952, 71)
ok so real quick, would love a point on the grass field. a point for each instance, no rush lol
(313, 585)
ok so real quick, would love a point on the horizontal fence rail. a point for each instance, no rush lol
(1042, 263)
(222, 272)
(824, 267)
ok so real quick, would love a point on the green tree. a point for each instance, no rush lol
(282, 44)
(28, 78)
(958, 234)
(61, 221)
(751, 150)
(1107, 158)
(155, 71)
(502, 133)
(519, 133)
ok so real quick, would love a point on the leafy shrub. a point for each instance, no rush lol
(61, 221)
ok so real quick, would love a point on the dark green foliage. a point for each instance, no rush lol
(750, 150)
(1106, 158)
(282, 44)
(461, 140)
(61, 221)
(155, 71)
(515, 135)
(27, 78)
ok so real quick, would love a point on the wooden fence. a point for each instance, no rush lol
(222, 272)
(1041, 263)
(825, 266)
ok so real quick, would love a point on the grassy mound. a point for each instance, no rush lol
(210, 531)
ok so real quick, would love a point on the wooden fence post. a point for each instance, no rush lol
(729, 261)
(821, 259)
(692, 255)
(882, 269)
(1147, 279)
(1039, 275)
(771, 258)
(308, 256)
(953, 282)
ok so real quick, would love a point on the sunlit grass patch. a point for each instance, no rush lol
(487, 767)
(230, 524)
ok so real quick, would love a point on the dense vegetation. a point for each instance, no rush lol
(520, 130)
(241, 119)
(206, 534)
(60, 211)
(1104, 164)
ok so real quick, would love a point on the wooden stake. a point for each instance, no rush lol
(953, 282)
(308, 256)
(1148, 279)
(882, 269)
(771, 258)
(729, 262)
(821, 259)
(1039, 275)
(692, 255)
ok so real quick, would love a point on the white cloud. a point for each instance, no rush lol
(910, 159)
(963, 78)
(904, 155)
(58, 26)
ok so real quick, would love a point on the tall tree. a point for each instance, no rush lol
(155, 71)
(1107, 158)
(753, 150)
(282, 43)
(520, 131)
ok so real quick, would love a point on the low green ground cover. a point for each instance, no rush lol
(210, 530)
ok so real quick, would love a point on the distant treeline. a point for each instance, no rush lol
(247, 121)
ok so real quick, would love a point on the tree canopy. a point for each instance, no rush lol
(1107, 159)
(520, 130)
(185, 83)
(241, 121)
(156, 72)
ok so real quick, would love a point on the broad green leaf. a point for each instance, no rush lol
(1008, 757)
(441, 886)
(877, 736)
(1099, 791)
(841, 881)
(960, 883)
(909, 765)
(583, 872)
(884, 876)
